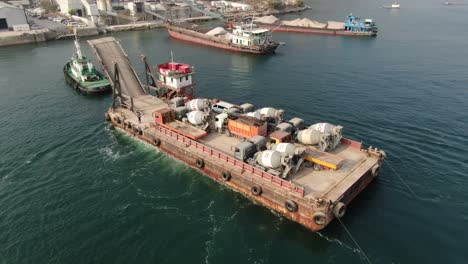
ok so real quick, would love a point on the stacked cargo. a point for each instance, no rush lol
(247, 127)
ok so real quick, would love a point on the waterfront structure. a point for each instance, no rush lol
(12, 18)
(82, 8)
(233, 5)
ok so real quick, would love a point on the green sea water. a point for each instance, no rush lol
(72, 190)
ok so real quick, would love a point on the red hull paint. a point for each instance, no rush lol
(314, 31)
(206, 42)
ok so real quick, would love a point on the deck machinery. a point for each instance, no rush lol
(319, 182)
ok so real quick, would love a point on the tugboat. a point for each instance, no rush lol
(392, 6)
(81, 74)
(242, 38)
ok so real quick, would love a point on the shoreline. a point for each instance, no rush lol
(14, 38)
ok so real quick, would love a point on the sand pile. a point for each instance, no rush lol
(335, 25)
(216, 31)
(266, 19)
(304, 22)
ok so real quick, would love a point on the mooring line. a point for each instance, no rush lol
(401, 179)
(355, 242)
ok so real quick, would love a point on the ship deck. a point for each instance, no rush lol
(325, 184)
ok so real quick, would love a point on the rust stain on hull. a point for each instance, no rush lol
(272, 198)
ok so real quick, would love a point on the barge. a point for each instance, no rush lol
(307, 173)
(353, 26)
(240, 39)
(81, 74)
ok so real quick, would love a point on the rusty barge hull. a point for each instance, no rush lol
(310, 197)
(275, 192)
(202, 39)
(316, 31)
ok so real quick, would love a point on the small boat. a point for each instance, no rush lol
(392, 6)
(81, 74)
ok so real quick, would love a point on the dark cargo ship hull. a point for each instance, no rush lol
(317, 31)
(199, 38)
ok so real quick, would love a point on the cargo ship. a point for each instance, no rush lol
(241, 38)
(81, 74)
(353, 26)
(308, 173)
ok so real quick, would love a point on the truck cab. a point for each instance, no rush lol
(248, 148)
(280, 136)
(244, 150)
(221, 121)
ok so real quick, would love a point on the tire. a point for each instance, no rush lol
(226, 175)
(375, 171)
(157, 142)
(320, 218)
(107, 117)
(256, 190)
(200, 163)
(339, 209)
(117, 119)
(291, 206)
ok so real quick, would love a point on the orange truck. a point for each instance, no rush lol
(165, 118)
(247, 127)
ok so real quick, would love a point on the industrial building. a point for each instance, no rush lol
(12, 18)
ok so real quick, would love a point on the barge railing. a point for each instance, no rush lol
(296, 190)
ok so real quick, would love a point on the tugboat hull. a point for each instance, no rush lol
(87, 89)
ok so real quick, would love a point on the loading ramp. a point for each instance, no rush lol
(110, 53)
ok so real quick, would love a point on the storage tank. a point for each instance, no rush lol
(197, 117)
(297, 122)
(247, 107)
(334, 131)
(284, 148)
(269, 158)
(271, 112)
(255, 115)
(267, 111)
(327, 128)
(311, 137)
(198, 104)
